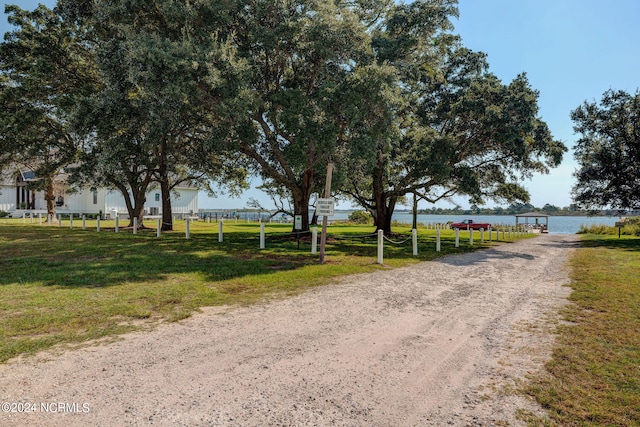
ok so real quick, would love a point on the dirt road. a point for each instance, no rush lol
(439, 343)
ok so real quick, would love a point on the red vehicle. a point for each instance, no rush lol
(470, 225)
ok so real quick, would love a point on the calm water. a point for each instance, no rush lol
(557, 224)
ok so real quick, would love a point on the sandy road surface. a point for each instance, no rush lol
(439, 343)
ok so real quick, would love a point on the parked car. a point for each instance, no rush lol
(469, 224)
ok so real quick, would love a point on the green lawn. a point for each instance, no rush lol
(62, 285)
(594, 376)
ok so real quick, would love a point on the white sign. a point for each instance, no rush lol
(324, 207)
(297, 222)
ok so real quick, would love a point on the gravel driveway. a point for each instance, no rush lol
(438, 343)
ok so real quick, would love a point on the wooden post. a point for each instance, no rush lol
(457, 237)
(380, 246)
(187, 231)
(220, 231)
(71, 221)
(98, 225)
(325, 219)
(481, 235)
(437, 240)
(84, 222)
(135, 225)
(159, 229)
(117, 223)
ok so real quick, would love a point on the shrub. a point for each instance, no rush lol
(360, 217)
(3, 214)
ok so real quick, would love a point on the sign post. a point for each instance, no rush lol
(325, 209)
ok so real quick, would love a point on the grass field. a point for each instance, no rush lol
(594, 376)
(63, 285)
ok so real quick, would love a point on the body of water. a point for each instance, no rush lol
(557, 224)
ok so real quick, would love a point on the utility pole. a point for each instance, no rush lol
(325, 218)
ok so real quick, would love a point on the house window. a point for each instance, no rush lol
(95, 196)
(157, 197)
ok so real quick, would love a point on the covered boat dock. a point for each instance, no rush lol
(536, 226)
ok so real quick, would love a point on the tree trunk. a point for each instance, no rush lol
(50, 198)
(301, 197)
(384, 207)
(301, 207)
(167, 211)
(138, 209)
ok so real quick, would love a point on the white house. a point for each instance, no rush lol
(17, 200)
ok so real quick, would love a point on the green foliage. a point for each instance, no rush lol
(360, 217)
(200, 90)
(608, 152)
(631, 228)
(45, 67)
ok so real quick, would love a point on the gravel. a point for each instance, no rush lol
(439, 343)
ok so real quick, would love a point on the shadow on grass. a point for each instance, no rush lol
(91, 259)
(628, 243)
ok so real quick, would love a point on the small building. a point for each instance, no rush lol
(533, 221)
(17, 199)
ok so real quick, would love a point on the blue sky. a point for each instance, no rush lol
(572, 51)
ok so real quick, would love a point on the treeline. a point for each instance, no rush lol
(520, 208)
(124, 96)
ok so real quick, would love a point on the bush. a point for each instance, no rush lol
(631, 228)
(3, 214)
(360, 217)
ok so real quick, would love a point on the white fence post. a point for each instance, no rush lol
(457, 237)
(380, 246)
(40, 218)
(59, 220)
(314, 240)
(437, 240)
(71, 221)
(262, 237)
(481, 235)
(159, 229)
(84, 222)
(98, 225)
(490, 231)
(414, 241)
(135, 225)
(187, 231)
(220, 235)
(471, 236)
